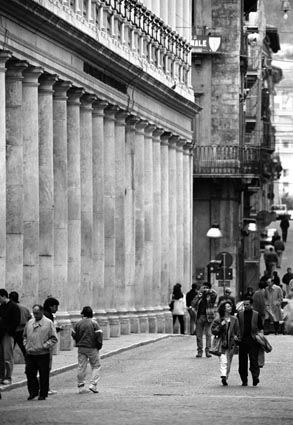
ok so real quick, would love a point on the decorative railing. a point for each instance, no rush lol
(227, 160)
(133, 31)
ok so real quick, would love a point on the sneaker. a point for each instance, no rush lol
(6, 381)
(93, 389)
(52, 392)
(81, 389)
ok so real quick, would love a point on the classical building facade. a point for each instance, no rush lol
(97, 116)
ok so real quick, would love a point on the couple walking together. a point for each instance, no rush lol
(234, 333)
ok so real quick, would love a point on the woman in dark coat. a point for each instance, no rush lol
(226, 327)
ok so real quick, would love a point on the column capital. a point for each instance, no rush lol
(180, 144)
(99, 106)
(141, 125)
(110, 112)
(87, 101)
(165, 137)
(121, 117)
(31, 75)
(150, 128)
(188, 148)
(74, 94)
(60, 89)
(15, 69)
(132, 120)
(157, 134)
(173, 141)
(4, 56)
(46, 82)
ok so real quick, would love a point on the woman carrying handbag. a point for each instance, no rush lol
(226, 327)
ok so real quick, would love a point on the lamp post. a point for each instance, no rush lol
(213, 233)
(285, 7)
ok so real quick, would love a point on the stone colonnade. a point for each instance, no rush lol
(95, 203)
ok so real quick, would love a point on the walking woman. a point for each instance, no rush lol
(179, 306)
(226, 327)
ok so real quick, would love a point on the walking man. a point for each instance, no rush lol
(88, 337)
(273, 300)
(25, 316)
(204, 304)
(39, 337)
(9, 320)
(284, 224)
(286, 279)
(250, 324)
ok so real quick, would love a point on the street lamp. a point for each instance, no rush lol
(214, 232)
(285, 8)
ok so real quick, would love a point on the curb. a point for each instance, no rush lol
(103, 356)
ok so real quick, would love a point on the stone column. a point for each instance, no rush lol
(172, 14)
(172, 212)
(149, 227)
(120, 254)
(74, 199)
(46, 177)
(179, 16)
(86, 189)
(14, 178)
(99, 216)
(140, 290)
(164, 6)
(31, 180)
(156, 7)
(110, 230)
(187, 214)
(165, 292)
(130, 222)
(4, 56)
(157, 229)
(60, 191)
(179, 218)
(187, 19)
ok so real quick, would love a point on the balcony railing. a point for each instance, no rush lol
(134, 32)
(226, 161)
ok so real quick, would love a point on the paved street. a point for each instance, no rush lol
(163, 383)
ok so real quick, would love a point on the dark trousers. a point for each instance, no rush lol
(18, 339)
(181, 321)
(35, 364)
(248, 351)
(284, 235)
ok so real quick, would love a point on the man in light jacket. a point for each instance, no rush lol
(39, 337)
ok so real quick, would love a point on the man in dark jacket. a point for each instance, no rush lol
(284, 224)
(250, 324)
(9, 320)
(286, 279)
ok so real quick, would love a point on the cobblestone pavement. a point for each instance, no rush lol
(163, 383)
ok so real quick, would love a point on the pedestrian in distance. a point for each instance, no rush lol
(9, 320)
(250, 324)
(189, 297)
(279, 248)
(39, 337)
(271, 260)
(179, 306)
(51, 306)
(228, 297)
(226, 327)
(273, 300)
(276, 279)
(258, 300)
(25, 316)
(284, 224)
(88, 338)
(204, 306)
(249, 292)
(286, 280)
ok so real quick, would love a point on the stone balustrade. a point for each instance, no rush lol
(137, 34)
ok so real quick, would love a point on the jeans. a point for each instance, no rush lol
(93, 356)
(225, 361)
(203, 327)
(35, 364)
(6, 357)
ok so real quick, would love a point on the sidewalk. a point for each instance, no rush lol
(67, 360)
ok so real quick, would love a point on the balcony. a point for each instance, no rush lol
(129, 29)
(227, 161)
